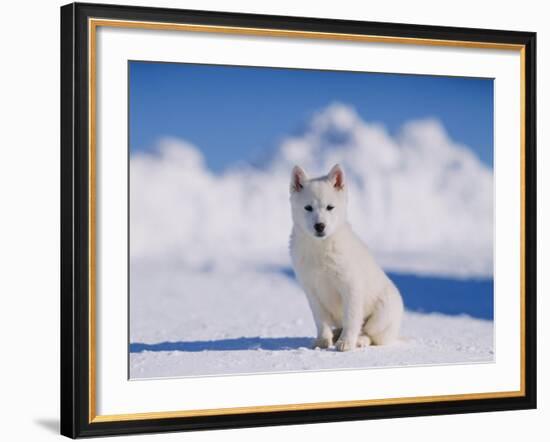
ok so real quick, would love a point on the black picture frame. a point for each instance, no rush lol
(75, 221)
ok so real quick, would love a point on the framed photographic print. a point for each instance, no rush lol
(274, 220)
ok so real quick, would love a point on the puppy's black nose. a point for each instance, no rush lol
(319, 227)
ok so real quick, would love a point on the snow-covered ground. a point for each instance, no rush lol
(212, 323)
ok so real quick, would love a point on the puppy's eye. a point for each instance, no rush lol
(309, 208)
(329, 207)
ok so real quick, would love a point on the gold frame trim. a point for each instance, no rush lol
(93, 24)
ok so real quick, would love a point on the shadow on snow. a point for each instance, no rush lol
(233, 344)
(437, 294)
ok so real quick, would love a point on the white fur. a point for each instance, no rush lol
(352, 300)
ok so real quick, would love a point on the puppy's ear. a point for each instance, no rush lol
(297, 179)
(336, 177)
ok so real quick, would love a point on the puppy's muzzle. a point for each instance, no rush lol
(319, 228)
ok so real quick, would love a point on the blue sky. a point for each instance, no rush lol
(237, 113)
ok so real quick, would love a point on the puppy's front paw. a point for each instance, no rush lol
(322, 342)
(345, 344)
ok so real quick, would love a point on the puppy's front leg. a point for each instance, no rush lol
(352, 321)
(322, 322)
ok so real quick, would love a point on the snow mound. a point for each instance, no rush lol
(421, 201)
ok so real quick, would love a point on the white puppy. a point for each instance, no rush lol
(353, 302)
